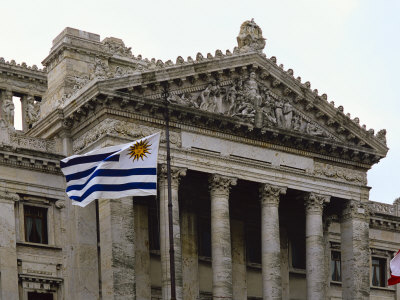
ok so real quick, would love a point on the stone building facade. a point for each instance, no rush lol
(269, 180)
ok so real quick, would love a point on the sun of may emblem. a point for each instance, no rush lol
(139, 150)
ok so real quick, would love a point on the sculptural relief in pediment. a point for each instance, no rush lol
(248, 100)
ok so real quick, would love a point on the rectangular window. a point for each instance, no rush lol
(35, 224)
(154, 230)
(40, 296)
(204, 237)
(253, 244)
(379, 271)
(298, 252)
(336, 266)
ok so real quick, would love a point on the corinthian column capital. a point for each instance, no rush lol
(269, 194)
(315, 203)
(220, 185)
(355, 209)
(176, 174)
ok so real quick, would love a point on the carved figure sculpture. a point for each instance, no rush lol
(208, 97)
(252, 92)
(287, 115)
(8, 110)
(231, 100)
(280, 120)
(32, 111)
(250, 37)
(314, 130)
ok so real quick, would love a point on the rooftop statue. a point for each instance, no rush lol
(250, 37)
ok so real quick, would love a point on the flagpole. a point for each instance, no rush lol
(165, 95)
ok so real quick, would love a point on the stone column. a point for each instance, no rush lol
(190, 259)
(142, 254)
(354, 229)
(117, 255)
(315, 248)
(176, 174)
(221, 236)
(8, 251)
(239, 267)
(271, 247)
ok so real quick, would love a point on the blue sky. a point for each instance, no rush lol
(348, 49)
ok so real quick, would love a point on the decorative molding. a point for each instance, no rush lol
(220, 185)
(269, 194)
(22, 141)
(176, 174)
(314, 203)
(7, 196)
(382, 208)
(120, 129)
(340, 173)
(356, 210)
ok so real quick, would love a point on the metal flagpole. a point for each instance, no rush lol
(165, 95)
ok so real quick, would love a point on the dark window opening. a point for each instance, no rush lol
(298, 252)
(253, 244)
(204, 237)
(35, 224)
(154, 230)
(379, 272)
(40, 296)
(336, 268)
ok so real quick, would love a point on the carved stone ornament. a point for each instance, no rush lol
(22, 141)
(120, 129)
(32, 110)
(117, 47)
(382, 208)
(340, 173)
(250, 37)
(315, 203)
(248, 100)
(8, 109)
(356, 210)
(220, 185)
(7, 196)
(269, 194)
(60, 204)
(176, 175)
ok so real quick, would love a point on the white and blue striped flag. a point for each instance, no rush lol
(113, 172)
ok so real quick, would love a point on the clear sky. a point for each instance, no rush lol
(348, 49)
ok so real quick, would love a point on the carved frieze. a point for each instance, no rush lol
(382, 208)
(340, 173)
(23, 141)
(120, 129)
(249, 100)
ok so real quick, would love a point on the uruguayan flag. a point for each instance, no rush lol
(113, 172)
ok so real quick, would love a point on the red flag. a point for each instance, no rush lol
(395, 270)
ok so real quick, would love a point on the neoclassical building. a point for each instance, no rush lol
(269, 180)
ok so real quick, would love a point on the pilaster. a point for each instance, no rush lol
(354, 229)
(8, 251)
(116, 220)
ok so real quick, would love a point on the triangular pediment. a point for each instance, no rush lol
(243, 94)
(251, 89)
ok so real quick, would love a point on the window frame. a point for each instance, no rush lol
(44, 221)
(340, 265)
(383, 262)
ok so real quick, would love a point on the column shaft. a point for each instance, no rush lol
(221, 236)
(315, 254)
(271, 247)
(176, 173)
(116, 220)
(239, 268)
(8, 251)
(354, 229)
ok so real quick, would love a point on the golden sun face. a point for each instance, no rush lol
(139, 150)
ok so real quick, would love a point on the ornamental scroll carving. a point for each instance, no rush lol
(176, 174)
(246, 99)
(340, 173)
(120, 129)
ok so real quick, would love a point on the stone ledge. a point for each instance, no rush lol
(36, 245)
